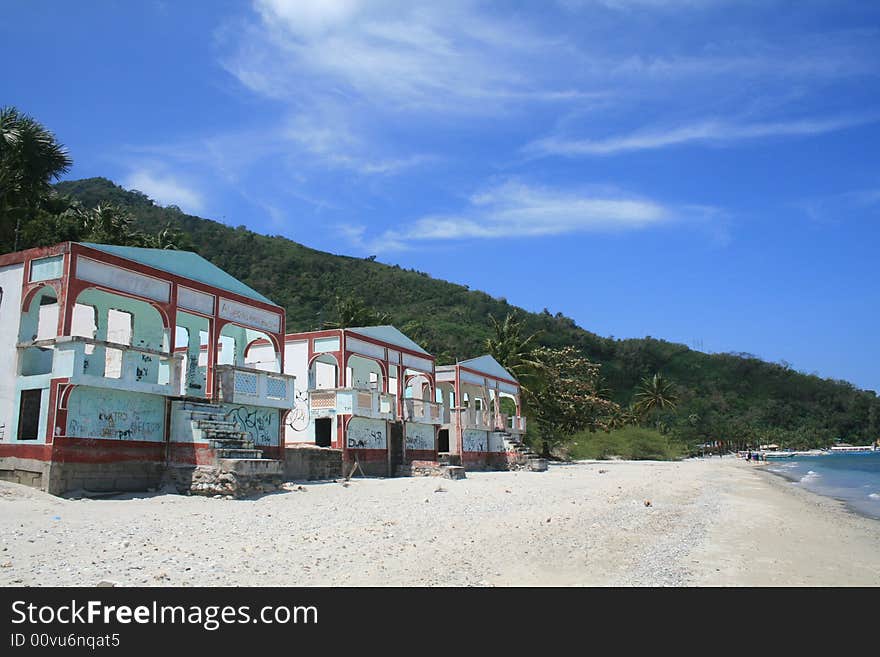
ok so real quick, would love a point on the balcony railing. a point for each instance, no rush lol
(472, 418)
(101, 364)
(325, 402)
(513, 423)
(424, 412)
(244, 385)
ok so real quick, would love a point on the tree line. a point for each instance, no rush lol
(688, 396)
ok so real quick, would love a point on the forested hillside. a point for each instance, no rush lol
(720, 396)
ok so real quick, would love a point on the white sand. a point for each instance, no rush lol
(711, 522)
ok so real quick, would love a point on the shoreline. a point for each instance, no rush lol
(589, 523)
(848, 505)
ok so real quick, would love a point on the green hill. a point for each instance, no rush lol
(721, 396)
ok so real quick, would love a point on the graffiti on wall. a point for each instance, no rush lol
(419, 436)
(194, 376)
(475, 441)
(298, 418)
(496, 442)
(115, 415)
(366, 434)
(261, 424)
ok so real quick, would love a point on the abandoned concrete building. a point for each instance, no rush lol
(482, 407)
(100, 399)
(367, 391)
(136, 368)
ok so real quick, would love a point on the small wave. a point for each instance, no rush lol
(810, 476)
(874, 496)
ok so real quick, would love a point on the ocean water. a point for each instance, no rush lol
(853, 478)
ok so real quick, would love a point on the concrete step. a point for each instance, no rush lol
(211, 416)
(216, 424)
(230, 443)
(235, 453)
(224, 434)
(252, 467)
(202, 408)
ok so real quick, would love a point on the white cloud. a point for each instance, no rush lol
(390, 54)
(514, 209)
(711, 131)
(165, 190)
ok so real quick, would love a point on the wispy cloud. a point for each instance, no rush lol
(708, 131)
(834, 208)
(165, 189)
(515, 209)
(392, 55)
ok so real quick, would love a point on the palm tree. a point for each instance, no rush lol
(655, 393)
(353, 312)
(513, 351)
(30, 159)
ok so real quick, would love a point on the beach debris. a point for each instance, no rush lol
(439, 489)
(106, 583)
(548, 519)
(602, 471)
(6, 564)
(507, 490)
(648, 503)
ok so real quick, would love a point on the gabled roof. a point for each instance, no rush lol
(390, 335)
(488, 365)
(184, 264)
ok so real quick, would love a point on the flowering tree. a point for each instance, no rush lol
(568, 397)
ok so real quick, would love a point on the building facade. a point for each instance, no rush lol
(368, 391)
(482, 406)
(122, 362)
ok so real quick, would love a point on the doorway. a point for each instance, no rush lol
(396, 445)
(443, 441)
(323, 431)
(29, 414)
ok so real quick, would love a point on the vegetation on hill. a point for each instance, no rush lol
(698, 397)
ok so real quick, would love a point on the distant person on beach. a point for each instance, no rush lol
(749, 456)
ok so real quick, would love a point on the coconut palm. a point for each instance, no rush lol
(30, 159)
(655, 393)
(353, 312)
(514, 351)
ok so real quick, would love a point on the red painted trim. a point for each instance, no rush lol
(366, 455)
(27, 450)
(181, 453)
(487, 376)
(19, 257)
(101, 450)
(341, 333)
(420, 455)
(125, 263)
(389, 345)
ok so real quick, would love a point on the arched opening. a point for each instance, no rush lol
(132, 324)
(233, 349)
(324, 372)
(363, 374)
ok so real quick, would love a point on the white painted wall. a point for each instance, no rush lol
(419, 436)
(364, 433)
(475, 440)
(11, 279)
(299, 427)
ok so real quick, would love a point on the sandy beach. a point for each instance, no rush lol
(715, 522)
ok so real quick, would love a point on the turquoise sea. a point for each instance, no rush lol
(853, 478)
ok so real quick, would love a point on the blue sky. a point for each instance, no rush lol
(700, 171)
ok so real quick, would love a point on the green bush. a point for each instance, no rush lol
(635, 443)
